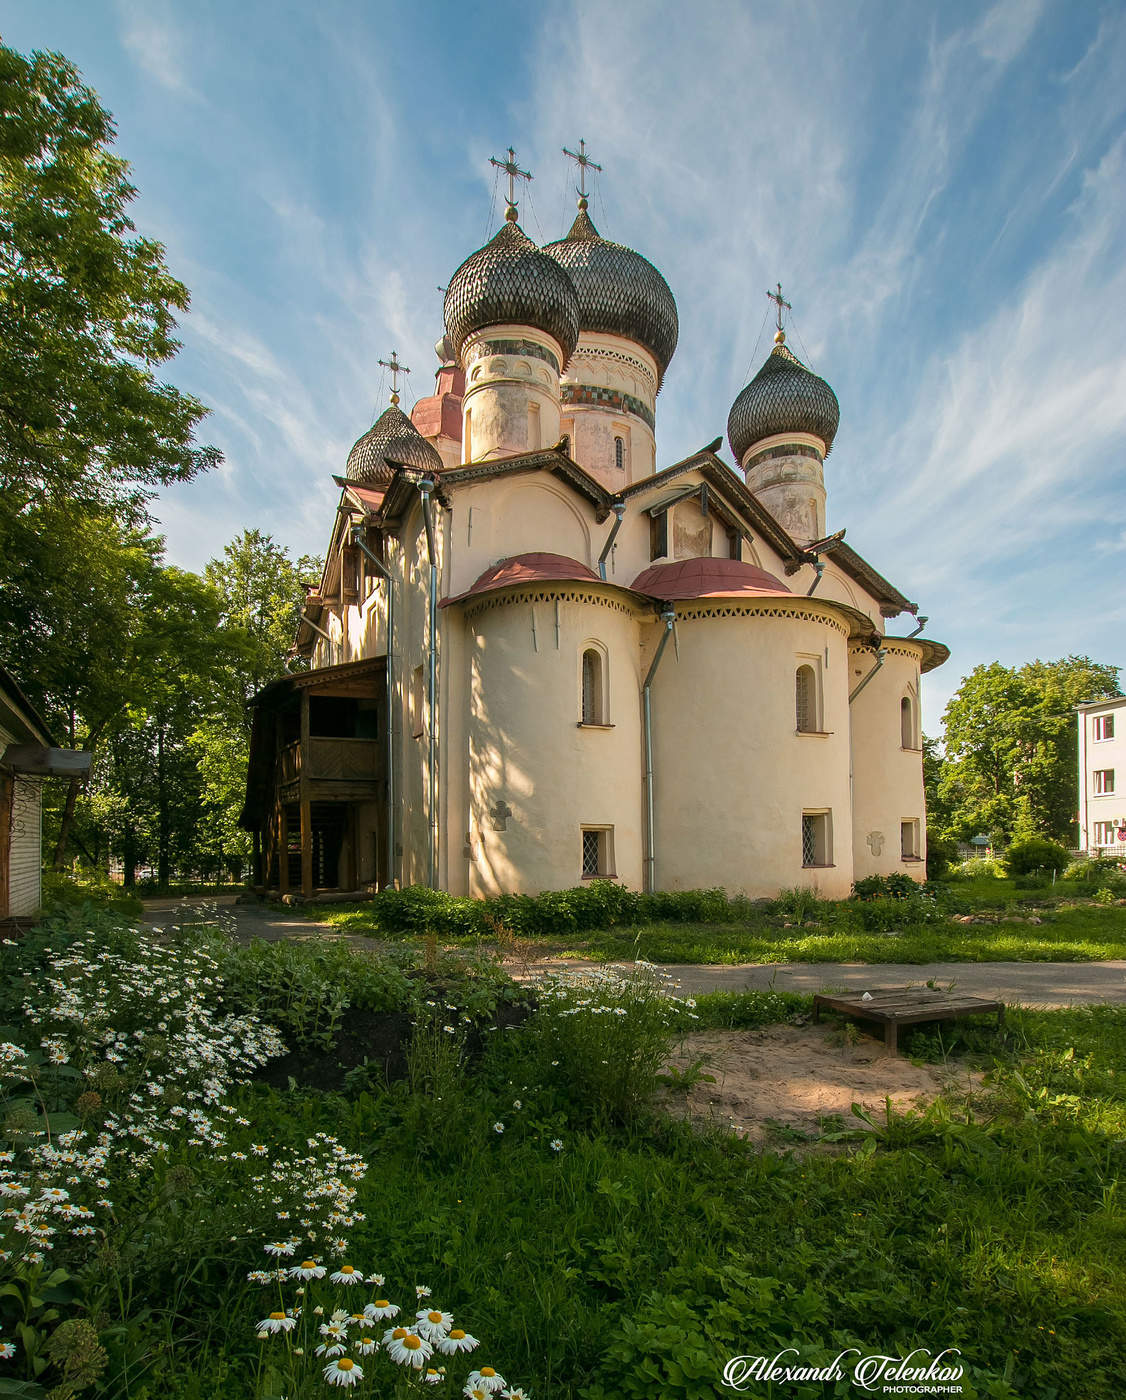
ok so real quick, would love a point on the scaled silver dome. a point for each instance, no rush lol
(392, 438)
(784, 397)
(510, 282)
(619, 291)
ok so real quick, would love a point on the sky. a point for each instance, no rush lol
(939, 187)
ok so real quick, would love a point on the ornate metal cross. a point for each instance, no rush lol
(583, 161)
(514, 173)
(781, 302)
(396, 369)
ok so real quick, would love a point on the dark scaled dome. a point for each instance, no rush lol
(510, 282)
(392, 438)
(619, 291)
(784, 397)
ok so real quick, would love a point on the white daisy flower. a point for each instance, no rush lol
(381, 1310)
(557, 1144)
(515, 1392)
(343, 1371)
(491, 1381)
(434, 1377)
(328, 1349)
(455, 1340)
(376, 1280)
(7, 1350)
(433, 1323)
(277, 1322)
(280, 1249)
(346, 1274)
(308, 1268)
(365, 1345)
(498, 1127)
(410, 1350)
(477, 1392)
(421, 1291)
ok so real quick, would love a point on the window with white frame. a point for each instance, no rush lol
(816, 839)
(1104, 727)
(805, 700)
(594, 708)
(1106, 833)
(909, 840)
(1104, 781)
(597, 852)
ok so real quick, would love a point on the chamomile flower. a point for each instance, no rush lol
(410, 1350)
(557, 1144)
(277, 1322)
(477, 1392)
(488, 1379)
(421, 1291)
(328, 1349)
(346, 1274)
(7, 1350)
(434, 1323)
(498, 1127)
(515, 1392)
(434, 1377)
(376, 1280)
(343, 1371)
(381, 1310)
(365, 1345)
(455, 1340)
(281, 1249)
(308, 1268)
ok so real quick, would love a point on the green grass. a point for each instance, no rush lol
(1074, 928)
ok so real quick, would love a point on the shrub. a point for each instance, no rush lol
(1023, 857)
(1092, 870)
(798, 904)
(941, 853)
(885, 887)
(978, 868)
(66, 890)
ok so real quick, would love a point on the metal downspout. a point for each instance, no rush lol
(820, 567)
(620, 512)
(880, 656)
(668, 617)
(376, 563)
(425, 487)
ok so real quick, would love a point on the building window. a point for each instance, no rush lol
(805, 696)
(659, 535)
(467, 436)
(619, 453)
(598, 852)
(1104, 781)
(909, 840)
(1106, 833)
(908, 733)
(533, 427)
(1104, 726)
(816, 839)
(594, 708)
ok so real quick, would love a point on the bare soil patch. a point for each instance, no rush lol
(783, 1082)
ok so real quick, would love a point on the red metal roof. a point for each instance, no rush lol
(527, 568)
(367, 497)
(708, 578)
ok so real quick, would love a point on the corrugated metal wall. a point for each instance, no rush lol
(24, 890)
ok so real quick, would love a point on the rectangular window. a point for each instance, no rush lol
(416, 703)
(909, 840)
(1106, 833)
(1104, 726)
(816, 839)
(1104, 781)
(659, 535)
(534, 427)
(597, 852)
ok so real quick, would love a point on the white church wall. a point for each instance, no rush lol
(536, 777)
(511, 401)
(733, 778)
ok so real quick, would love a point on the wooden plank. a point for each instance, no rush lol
(5, 840)
(47, 763)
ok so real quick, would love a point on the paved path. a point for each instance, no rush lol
(1032, 983)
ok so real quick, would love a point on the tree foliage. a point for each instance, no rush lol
(1010, 765)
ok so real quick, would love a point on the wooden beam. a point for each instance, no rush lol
(283, 850)
(47, 763)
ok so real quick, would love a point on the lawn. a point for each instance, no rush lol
(1071, 925)
(429, 1122)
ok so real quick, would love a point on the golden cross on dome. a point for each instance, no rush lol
(396, 369)
(583, 161)
(780, 302)
(514, 173)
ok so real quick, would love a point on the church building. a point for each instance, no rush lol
(539, 655)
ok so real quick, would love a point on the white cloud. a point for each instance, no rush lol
(156, 42)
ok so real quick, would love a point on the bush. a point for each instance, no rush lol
(941, 853)
(978, 868)
(1023, 857)
(64, 890)
(1092, 870)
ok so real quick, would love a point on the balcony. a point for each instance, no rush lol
(332, 760)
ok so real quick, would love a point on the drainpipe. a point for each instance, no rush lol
(425, 487)
(922, 621)
(820, 567)
(620, 512)
(668, 617)
(381, 568)
(880, 655)
(320, 631)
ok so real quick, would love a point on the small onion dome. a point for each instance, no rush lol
(619, 291)
(528, 568)
(510, 282)
(393, 438)
(708, 578)
(784, 397)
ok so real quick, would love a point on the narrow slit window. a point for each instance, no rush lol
(619, 453)
(805, 698)
(593, 708)
(907, 723)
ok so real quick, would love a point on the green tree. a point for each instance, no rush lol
(87, 311)
(1010, 748)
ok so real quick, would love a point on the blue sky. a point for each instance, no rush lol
(940, 189)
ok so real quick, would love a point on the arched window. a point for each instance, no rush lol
(593, 683)
(907, 723)
(805, 698)
(619, 453)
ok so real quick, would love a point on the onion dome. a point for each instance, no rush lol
(392, 438)
(510, 282)
(784, 397)
(708, 578)
(619, 291)
(536, 567)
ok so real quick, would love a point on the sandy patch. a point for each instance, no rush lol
(780, 1082)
